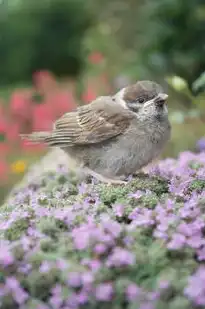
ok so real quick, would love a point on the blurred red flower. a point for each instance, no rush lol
(61, 102)
(20, 104)
(44, 81)
(89, 94)
(95, 57)
(29, 147)
(13, 132)
(42, 117)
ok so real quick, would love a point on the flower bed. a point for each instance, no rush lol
(68, 245)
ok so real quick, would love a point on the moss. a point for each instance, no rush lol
(8, 303)
(198, 185)
(18, 252)
(17, 229)
(112, 194)
(195, 165)
(48, 245)
(148, 201)
(179, 302)
(39, 284)
(52, 226)
(79, 219)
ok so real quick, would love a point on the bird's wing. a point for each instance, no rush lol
(90, 124)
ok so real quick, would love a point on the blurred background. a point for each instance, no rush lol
(57, 54)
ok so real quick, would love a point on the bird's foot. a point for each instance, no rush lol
(115, 182)
(104, 179)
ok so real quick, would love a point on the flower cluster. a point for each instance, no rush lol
(70, 245)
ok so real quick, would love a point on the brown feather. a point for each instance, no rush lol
(93, 123)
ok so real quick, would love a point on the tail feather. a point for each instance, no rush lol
(36, 137)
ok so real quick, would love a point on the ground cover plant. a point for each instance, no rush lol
(69, 244)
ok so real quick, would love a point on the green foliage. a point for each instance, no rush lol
(199, 84)
(198, 185)
(168, 38)
(51, 226)
(43, 35)
(110, 195)
(18, 228)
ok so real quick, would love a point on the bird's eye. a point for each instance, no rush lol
(141, 100)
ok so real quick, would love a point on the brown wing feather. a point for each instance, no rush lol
(90, 124)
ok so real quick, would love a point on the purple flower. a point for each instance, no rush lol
(82, 188)
(119, 210)
(82, 298)
(200, 145)
(45, 267)
(12, 283)
(147, 306)
(114, 228)
(80, 239)
(6, 258)
(56, 301)
(62, 264)
(201, 254)
(138, 194)
(100, 249)
(25, 268)
(19, 295)
(132, 292)
(87, 278)
(164, 284)
(74, 279)
(178, 241)
(195, 289)
(104, 292)
(195, 241)
(95, 265)
(120, 257)
(56, 290)
(142, 217)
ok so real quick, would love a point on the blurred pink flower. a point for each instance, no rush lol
(42, 118)
(20, 104)
(95, 57)
(44, 80)
(89, 94)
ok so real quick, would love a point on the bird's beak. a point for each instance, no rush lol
(160, 99)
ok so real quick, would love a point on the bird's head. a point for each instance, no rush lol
(145, 98)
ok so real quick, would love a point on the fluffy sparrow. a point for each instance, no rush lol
(113, 136)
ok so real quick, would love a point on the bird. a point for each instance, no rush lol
(113, 136)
